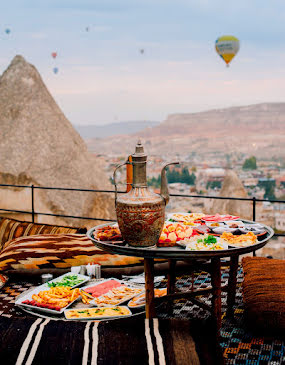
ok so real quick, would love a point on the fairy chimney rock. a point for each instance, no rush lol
(41, 146)
(232, 187)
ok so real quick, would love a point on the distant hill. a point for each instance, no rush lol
(253, 129)
(113, 129)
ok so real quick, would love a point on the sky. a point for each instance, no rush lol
(104, 78)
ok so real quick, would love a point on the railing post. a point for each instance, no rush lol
(33, 205)
(253, 215)
(253, 208)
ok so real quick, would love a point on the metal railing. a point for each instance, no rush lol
(34, 213)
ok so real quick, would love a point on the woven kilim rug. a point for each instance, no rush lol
(240, 345)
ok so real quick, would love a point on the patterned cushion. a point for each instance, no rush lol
(11, 229)
(264, 292)
(57, 251)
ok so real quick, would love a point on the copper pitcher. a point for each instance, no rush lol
(140, 212)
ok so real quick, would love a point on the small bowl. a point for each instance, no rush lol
(213, 225)
(221, 230)
(239, 224)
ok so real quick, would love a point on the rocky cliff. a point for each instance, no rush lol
(39, 146)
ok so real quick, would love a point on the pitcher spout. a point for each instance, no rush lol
(164, 185)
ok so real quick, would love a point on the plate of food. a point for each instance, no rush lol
(219, 218)
(256, 228)
(204, 242)
(68, 280)
(97, 313)
(227, 226)
(139, 301)
(242, 240)
(50, 300)
(212, 225)
(172, 233)
(3, 280)
(185, 217)
(108, 233)
(111, 292)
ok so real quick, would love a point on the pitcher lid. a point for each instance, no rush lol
(139, 150)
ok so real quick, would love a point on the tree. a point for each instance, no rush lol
(269, 187)
(250, 163)
(269, 193)
(174, 176)
(214, 184)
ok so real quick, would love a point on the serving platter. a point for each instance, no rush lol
(157, 292)
(97, 313)
(108, 295)
(84, 279)
(28, 297)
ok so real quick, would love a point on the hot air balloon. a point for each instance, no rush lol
(54, 54)
(227, 47)
(142, 51)
(55, 70)
(87, 29)
(7, 31)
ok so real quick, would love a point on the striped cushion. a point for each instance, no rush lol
(57, 251)
(11, 229)
(264, 292)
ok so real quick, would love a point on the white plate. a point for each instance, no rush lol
(243, 244)
(140, 305)
(191, 246)
(97, 317)
(222, 216)
(115, 224)
(257, 229)
(170, 216)
(59, 278)
(92, 302)
(3, 280)
(28, 296)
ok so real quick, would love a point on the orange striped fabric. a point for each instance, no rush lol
(11, 229)
(264, 291)
(57, 251)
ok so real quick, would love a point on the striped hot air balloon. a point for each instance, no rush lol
(227, 47)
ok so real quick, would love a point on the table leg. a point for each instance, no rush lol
(232, 283)
(171, 278)
(149, 288)
(216, 285)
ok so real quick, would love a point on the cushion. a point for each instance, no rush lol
(57, 251)
(11, 228)
(264, 292)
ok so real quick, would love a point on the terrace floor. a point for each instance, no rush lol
(240, 345)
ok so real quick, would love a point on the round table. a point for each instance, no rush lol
(173, 254)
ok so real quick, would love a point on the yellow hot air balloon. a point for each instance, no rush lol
(227, 47)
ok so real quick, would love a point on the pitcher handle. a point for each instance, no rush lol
(114, 179)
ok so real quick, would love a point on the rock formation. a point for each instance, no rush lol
(39, 146)
(232, 187)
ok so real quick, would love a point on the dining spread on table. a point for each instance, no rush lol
(195, 232)
(112, 298)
